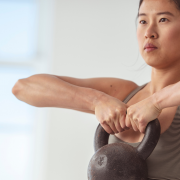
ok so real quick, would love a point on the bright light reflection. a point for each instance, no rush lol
(18, 30)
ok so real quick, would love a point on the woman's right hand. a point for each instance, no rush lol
(111, 113)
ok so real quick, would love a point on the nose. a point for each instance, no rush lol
(154, 36)
(151, 33)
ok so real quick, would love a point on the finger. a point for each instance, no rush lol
(107, 128)
(112, 126)
(128, 122)
(125, 127)
(142, 129)
(134, 125)
(122, 122)
(136, 122)
(118, 125)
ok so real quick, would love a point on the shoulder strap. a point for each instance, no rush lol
(133, 93)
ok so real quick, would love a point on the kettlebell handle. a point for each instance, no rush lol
(145, 148)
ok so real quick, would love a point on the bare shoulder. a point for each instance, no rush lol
(115, 87)
(122, 88)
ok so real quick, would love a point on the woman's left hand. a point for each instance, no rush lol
(141, 113)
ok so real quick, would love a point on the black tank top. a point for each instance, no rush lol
(164, 161)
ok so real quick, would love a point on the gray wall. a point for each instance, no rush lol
(92, 38)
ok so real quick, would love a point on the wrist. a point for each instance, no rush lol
(98, 99)
(156, 101)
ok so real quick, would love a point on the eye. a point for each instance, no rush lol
(140, 22)
(160, 20)
(163, 18)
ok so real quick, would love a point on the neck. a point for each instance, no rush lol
(161, 78)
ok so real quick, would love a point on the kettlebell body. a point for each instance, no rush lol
(121, 161)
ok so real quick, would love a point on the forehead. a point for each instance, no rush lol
(154, 6)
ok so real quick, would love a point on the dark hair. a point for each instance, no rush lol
(177, 3)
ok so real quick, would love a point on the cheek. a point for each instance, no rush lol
(171, 41)
(140, 38)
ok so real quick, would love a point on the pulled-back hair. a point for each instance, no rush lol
(177, 3)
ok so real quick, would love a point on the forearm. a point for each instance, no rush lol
(45, 90)
(168, 96)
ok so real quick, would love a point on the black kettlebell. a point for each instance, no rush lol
(120, 161)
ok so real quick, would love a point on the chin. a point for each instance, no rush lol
(154, 61)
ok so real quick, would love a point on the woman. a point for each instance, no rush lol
(158, 34)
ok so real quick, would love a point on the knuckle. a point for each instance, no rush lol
(135, 119)
(103, 122)
(141, 121)
(112, 115)
(130, 112)
(108, 121)
(119, 110)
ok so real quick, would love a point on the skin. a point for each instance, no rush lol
(164, 34)
(94, 95)
(162, 31)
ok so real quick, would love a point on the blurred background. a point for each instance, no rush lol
(82, 39)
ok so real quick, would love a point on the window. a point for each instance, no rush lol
(18, 32)
(18, 59)
(16, 128)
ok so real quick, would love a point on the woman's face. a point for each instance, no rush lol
(161, 30)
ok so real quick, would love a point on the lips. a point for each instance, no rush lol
(149, 45)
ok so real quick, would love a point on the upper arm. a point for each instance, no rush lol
(118, 88)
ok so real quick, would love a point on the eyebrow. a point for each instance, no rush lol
(160, 13)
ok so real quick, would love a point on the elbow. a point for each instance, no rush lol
(17, 87)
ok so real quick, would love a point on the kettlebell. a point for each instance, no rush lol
(121, 161)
